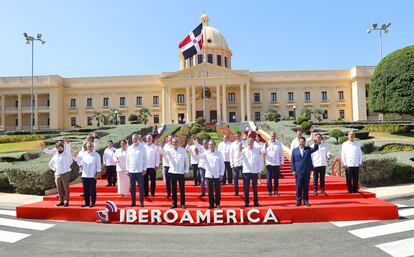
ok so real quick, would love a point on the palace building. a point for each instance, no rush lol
(176, 97)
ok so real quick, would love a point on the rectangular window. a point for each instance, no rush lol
(342, 114)
(273, 97)
(122, 120)
(72, 103)
(105, 102)
(341, 95)
(209, 58)
(199, 58)
(366, 93)
(290, 96)
(191, 61)
(138, 100)
(122, 101)
(155, 100)
(17, 103)
(324, 96)
(180, 98)
(307, 96)
(291, 114)
(156, 119)
(48, 121)
(48, 102)
(231, 97)
(89, 121)
(89, 102)
(256, 97)
(17, 122)
(232, 116)
(257, 116)
(325, 114)
(225, 62)
(219, 60)
(73, 121)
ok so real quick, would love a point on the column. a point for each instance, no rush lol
(3, 112)
(169, 105)
(19, 111)
(242, 97)
(163, 103)
(249, 111)
(36, 112)
(359, 101)
(224, 117)
(187, 104)
(193, 100)
(218, 103)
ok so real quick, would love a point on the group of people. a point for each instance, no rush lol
(212, 166)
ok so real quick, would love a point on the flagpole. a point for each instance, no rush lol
(204, 75)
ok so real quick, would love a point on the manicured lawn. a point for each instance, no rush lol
(394, 137)
(20, 146)
(214, 136)
(234, 128)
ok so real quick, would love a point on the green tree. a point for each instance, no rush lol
(113, 115)
(307, 113)
(132, 117)
(143, 115)
(272, 115)
(318, 114)
(301, 119)
(336, 133)
(392, 86)
(99, 117)
(305, 126)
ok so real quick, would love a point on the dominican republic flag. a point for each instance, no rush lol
(192, 43)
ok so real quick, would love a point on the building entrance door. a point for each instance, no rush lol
(181, 118)
(213, 115)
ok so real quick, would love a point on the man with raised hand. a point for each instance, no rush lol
(319, 160)
(153, 162)
(236, 161)
(224, 148)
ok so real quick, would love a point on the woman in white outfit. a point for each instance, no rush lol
(123, 178)
(258, 144)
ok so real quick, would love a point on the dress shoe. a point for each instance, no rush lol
(202, 195)
(269, 194)
(81, 195)
(182, 206)
(218, 206)
(84, 205)
(246, 205)
(256, 205)
(132, 205)
(236, 194)
(60, 204)
(168, 195)
(210, 207)
(315, 192)
(67, 204)
(276, 193)
(108, 185)
(92, 205)
(323, 192)
(307, 204)
(141, 205)
(298, 204)
(173, 206)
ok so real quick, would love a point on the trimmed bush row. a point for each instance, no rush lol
(20, 138)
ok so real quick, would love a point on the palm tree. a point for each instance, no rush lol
(98, 116)
(113, 116)
(143, 115)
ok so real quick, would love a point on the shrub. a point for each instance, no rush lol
(377, 172)
(306, 113)
(185, 130)
(20, 138)
(388, 128)
(403, 173)
(301, 119)
(203, 135)
(336, 133)
(367, 147)
(4, 182)
(214, 121)
(392, 148)
(200, 120)
(305, 126)
(362, 134)
(132, 117)
(342, 139)
(195, 130)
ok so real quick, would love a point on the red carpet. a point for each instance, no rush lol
(337, 205)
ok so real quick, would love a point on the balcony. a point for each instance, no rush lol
(10, 109)
(123, 108)
(308, 103)
(324, 103)
(43, 108)
(105, 108)
(26, 109)
(89, 109)
(73, 110)
(274, 104)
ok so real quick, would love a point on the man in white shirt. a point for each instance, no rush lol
(136, 164)
(60, 164)
(214, 173)
(179, 167)
(275, 157)
(194, 159)
(319, 164)
(153, 162)
(166, 165)
(224, 149)
(251, 167)
(236, 161)
(110, 163)
(202, 167)
(351, 157)
(299, 135)
(90, 161)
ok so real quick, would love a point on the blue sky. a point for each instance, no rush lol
(106, 38)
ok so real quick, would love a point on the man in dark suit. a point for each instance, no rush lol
(301, 166)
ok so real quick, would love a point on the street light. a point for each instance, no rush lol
(384, 27)
(30, 40)
(116, 117)
(294, 112)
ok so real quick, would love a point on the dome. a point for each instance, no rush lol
(213, 37)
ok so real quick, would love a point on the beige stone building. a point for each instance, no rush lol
(176, 97)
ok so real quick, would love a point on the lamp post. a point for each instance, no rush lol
(294, 112)
(116, 117)
(384, 27)
(30, 40)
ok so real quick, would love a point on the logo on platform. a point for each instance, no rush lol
(184, 216)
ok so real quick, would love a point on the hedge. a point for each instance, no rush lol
(377, 172)
(392, 148)
(19, 156)
(20, 138)
(388, 128)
